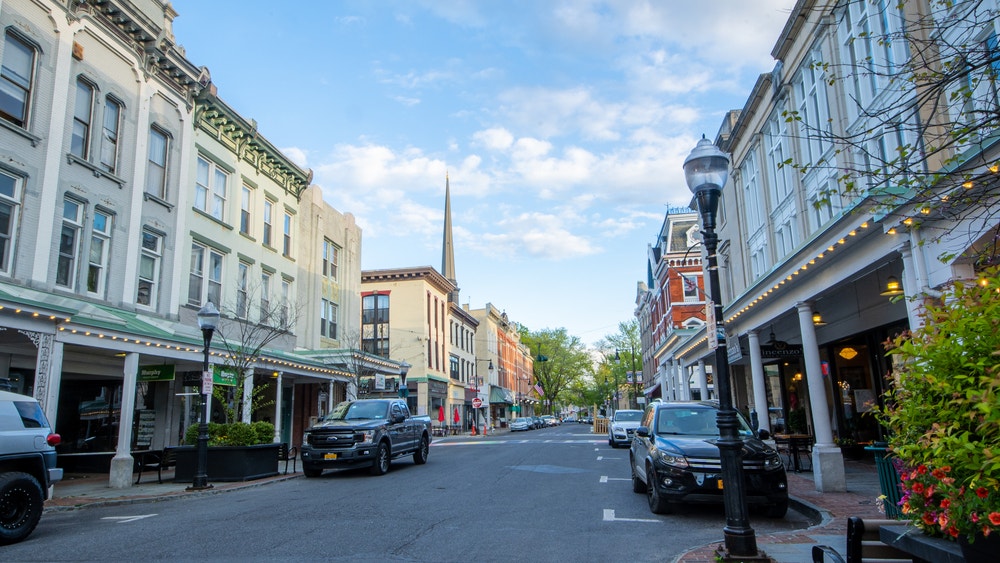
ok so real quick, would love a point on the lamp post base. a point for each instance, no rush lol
(741, 543)
(724, 554)
(199, 488)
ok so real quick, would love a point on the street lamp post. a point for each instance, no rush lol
(706, 170)
(208, 319)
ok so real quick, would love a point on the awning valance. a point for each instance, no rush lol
(501, 395)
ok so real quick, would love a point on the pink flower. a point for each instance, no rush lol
(995, 518)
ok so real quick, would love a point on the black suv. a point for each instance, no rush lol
(675, 459)
(27, 465)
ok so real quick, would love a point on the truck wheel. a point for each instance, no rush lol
(21, 499)
(420, 456)
(381, 464)
(312, 471)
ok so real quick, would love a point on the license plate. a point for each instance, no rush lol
(720, 483)
(334, 456)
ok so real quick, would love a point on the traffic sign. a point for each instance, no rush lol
(477, 403)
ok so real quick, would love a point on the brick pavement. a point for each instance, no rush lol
(830, 511)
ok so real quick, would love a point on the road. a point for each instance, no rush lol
(555, 494)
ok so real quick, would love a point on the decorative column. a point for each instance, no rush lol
(122, 463)
(685, 382)
(759, 382)
(914, 306)
(827, 459)
(278, 390)
(48, 372)
(247, 411)
(703, 380)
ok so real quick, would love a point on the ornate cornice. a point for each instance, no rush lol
(240, 136)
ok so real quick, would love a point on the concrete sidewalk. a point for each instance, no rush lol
(830, 510)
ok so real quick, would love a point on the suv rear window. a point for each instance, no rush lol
(31, 414)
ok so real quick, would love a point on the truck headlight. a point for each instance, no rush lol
(363, 437)
(772, 462)
(671, 459)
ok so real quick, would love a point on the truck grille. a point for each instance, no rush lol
(331, 439)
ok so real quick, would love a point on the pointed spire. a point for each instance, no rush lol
(448, 248)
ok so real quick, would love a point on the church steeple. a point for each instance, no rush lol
(448, 248)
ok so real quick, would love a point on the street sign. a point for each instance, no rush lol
(477, 403)
(206, 383)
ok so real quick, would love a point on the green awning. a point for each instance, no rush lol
(499, 395)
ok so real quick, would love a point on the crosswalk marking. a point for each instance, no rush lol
(609, 516)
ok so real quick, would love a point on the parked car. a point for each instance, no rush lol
(27, 465)
(521, 424)
(549, 420)
(675, 459)
(368, 432)
(622, 427)
(539, 423)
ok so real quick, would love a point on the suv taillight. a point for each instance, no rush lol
(53, 439)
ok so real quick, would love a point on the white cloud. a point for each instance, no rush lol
(296, 155)
(407, 101)
(494, 139)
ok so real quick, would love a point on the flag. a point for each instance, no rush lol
(539, 389)
(689, 284)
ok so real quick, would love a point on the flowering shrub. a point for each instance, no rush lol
(941, 506)
(942, 411)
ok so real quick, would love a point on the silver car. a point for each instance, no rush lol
(621, 427)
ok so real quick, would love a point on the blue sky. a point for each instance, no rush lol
(562, 125)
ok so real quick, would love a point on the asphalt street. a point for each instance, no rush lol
(555, 494)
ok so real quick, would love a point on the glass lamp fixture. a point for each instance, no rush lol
(892, 287)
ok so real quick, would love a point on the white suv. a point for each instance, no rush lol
(27, 465)
(622, 427)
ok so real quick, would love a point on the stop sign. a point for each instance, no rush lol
(477, 403)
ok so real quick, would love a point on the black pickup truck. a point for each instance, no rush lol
(365, 432)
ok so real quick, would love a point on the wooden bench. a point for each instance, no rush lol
(286, 454)
(863, 544)
(154, 459)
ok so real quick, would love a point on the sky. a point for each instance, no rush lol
(562, 127)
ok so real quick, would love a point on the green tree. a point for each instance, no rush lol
(623, 354)
(560, 360)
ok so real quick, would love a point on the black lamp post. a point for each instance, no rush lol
(706, 170)
(208, 319)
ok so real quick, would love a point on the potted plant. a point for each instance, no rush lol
(236, 452)
(945, 427)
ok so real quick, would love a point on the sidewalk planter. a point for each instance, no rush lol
(229, 463)
(983, 550)
(888, 479)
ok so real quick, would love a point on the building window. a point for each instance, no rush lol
(265, 295)
(205, 283)
(156, 165)
(268, 222)
(82, 115)
(10, 197)
(210, 189)
(100, 241)
(286, 235)
(109, 141)
(16, 77)
(331, 257)
(69, 243)
(149, 268)
(690, 287)
(328, 319)
(242, 283)
(286, 299)
(246, 201)
(375, 324)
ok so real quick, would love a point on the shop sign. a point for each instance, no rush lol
(156, 373)
(781, 351)
(224, 375)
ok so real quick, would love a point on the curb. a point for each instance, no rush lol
(122, 501)
(811, 511)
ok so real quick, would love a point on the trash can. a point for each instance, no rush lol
(888, 479)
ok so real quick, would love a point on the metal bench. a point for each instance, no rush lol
(863, 544)
(287, 453)
(154, 459)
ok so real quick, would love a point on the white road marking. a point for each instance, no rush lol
(605, 479)
(609, 516)
(127, 519)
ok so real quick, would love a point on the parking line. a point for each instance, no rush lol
(609, 516)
